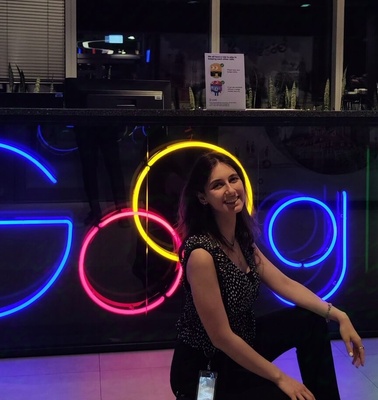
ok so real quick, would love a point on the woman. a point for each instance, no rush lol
(217, 330)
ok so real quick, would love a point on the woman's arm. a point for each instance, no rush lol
(201, 275)
(305, 298)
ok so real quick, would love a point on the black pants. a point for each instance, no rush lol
(275, 334)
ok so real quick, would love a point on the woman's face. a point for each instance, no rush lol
(224, 191)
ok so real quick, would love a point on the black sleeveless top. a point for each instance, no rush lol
(239, 292)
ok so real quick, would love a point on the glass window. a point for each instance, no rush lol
(32, 39)
(284, 42)
(162, 39)
(361, 54)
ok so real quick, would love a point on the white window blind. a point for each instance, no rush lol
(32, 38)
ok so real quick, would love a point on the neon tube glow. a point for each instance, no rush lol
(118, 307)
(157, 156)
(27, 301)
(281, 208)
(341, 264)
(31, 159)
(344, 219)
(49, 146)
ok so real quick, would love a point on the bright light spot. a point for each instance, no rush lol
(114, 39)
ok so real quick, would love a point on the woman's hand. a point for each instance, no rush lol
(353, 342)
(293, 388)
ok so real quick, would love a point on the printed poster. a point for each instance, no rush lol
(225, 81)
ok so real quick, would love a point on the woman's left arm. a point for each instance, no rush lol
(305, 298)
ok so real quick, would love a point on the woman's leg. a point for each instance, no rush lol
(185, 367)
(233, 383)
(308, 333)
(276, 333)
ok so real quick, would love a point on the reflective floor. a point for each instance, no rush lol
(145, 375)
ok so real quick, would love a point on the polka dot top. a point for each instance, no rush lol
(239, 292)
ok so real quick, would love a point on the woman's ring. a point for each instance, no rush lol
(361, 347)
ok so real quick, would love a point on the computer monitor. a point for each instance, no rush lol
(117, 93)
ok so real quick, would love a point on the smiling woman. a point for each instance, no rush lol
(222, 272)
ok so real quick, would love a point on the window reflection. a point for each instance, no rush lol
(170, 39)
(361, 54)
(281, 40)
(284, 45)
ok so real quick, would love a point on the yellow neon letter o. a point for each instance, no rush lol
(157, 156)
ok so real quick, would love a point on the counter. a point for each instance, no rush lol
(76, 275)
(193, 117)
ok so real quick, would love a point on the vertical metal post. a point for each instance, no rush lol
(337, 53)
(215, 26)
(71, 38)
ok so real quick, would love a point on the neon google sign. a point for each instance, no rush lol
(149, 304)
(24, 222)
(136, 213)
(335, 239)
(154, 159)
(115, 306)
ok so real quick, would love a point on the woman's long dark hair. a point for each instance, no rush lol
(194, 218)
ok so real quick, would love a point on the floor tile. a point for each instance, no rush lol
(353, 384)
(49, 365)
(75, 386)
(135, 360)
(289, 366)
(147, 383)
(370, 370)
(144, 375)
